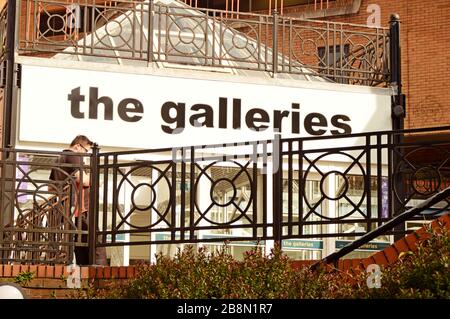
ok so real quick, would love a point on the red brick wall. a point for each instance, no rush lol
(425, 55)
(50, 281)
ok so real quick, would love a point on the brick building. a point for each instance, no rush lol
(332, 75)
(425, 54)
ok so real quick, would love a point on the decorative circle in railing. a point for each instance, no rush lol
(305, 45)
(426, 180)
(119, 31)
(145, 188)
(55, 20)
(113, 28)
(239, 42)
(187, 35)
(244, 41)
(149, 197)
(220, 186)
(223, 183)
(421, 171)
(362, 52)
(341, 192)
(342, 180)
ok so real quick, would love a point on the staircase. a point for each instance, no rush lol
(385, 257)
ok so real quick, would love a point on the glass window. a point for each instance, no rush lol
(303, 254)
(332, 60)
(354, 205)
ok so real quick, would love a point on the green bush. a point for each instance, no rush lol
(201, 274)
(422, 274)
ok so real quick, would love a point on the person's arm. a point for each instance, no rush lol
(86, 178)
(77, 160)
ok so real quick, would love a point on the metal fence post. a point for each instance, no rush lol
(151, 8)
(93, 203)
(275, 42)
(7, 138)
(398, 103)
(10, 72)
(277, 192)
(398, 114)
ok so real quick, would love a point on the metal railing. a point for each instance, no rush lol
(247, 6)
(442, 196)
(171, 186)
(375, 176)
(342, 186)
(119, 30)
(37, 213)
(3, 26)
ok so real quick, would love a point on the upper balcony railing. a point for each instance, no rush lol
(264, 5)
(339, 52)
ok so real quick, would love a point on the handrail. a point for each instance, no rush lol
(334, 257)
(44, 208)
(350, 58)
(38, 37)
(29, 222)
(181, 174)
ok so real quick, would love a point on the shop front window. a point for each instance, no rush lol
(353, 206)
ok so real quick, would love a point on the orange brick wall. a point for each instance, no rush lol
(50, 281)
(425, 55)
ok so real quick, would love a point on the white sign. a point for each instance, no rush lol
(149, 111)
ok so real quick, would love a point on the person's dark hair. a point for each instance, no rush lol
(81, 139)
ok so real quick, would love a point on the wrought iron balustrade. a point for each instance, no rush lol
(37, 222)
(341, 186)
(267, 5)
(120, 31)
(373, 178)
(184, 193)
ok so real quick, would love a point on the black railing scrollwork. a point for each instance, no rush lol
(342, 187)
